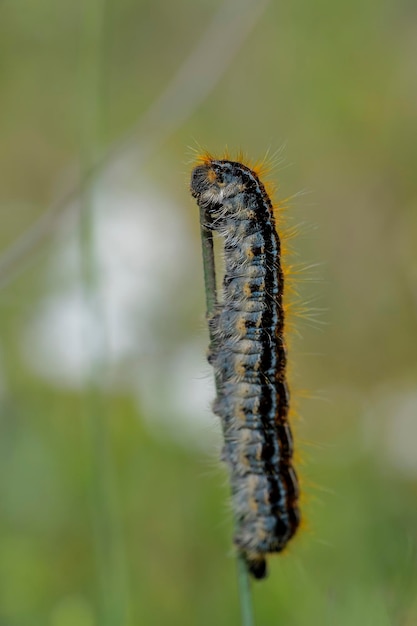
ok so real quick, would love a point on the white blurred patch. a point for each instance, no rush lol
(391, 427)
(144, 272)
(53, 343)
(401, 432)
(184, 375)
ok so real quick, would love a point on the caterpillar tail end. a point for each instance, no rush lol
(256, 565)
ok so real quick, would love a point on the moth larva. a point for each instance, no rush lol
(249, 357)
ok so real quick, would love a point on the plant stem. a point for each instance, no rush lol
(245, 597)
(208, 264)
(108, 539)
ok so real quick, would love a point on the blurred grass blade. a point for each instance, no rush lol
(108, 538)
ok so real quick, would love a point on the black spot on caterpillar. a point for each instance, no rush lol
(249, 358)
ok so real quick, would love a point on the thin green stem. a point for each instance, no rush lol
(245, 597)
(108, 538)
(244, 592)
(208, 264)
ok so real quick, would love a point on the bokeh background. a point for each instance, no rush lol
(114, 507)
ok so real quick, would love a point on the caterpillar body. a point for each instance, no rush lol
(249, 358)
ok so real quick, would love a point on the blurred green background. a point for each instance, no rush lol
(113, 505)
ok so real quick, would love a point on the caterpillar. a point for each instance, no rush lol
(248, 354)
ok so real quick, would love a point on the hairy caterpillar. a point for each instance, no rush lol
(248, 355)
